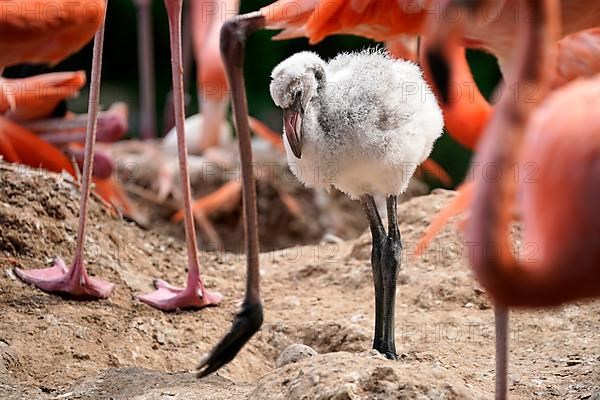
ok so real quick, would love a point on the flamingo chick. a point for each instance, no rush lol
(364, 122)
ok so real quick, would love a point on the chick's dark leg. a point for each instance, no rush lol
(390, 266)
(378, 234)
(501, 320)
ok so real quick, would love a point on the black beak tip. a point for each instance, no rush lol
(245, 324)
(297, 152)
(440, 71)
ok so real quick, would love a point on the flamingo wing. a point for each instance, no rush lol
(29, 149)
(376, 19)
(37, 96)
(50, 33)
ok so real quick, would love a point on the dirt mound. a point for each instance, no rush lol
(289, 213)
(319, 295)
(366, 376)
(141, 384)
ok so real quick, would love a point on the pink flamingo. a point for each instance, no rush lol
(578, 55)
(523, 133)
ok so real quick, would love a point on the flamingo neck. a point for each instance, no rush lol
(499, 147)
(214, 116)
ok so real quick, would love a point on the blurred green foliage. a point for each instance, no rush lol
(120, 71)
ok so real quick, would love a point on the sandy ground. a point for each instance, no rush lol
(319, 295)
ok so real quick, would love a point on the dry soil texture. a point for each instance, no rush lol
(320, 296)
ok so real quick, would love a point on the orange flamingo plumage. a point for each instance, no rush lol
(29, 137)
(19, 145)
(53, 31)
(32, 98)
(37, 96)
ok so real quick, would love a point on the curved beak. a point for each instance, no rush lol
(440, 72)
(292, 124)
(443, 37)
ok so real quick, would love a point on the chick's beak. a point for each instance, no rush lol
(292, 123)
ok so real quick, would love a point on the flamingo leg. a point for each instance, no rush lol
(249, 320)
(378, 237)
(169, 109)
(194, 295)
(385, 261)
(501, 320)
(146, 67)
(111, 126)
(390, 266)
(76, 282)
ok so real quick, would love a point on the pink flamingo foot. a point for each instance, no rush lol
(167, 297)
(74, 282)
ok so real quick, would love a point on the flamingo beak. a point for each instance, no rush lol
(444, 37)
(440, 72)
(292, 123)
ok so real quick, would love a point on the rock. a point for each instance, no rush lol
(293, 354)
(291, 301)
(160, 337)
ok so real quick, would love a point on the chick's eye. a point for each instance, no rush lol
(297, 93)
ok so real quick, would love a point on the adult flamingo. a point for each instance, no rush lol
(207, 18)
(28, 38)
(578, 55)
(30, 101)
(518, 133)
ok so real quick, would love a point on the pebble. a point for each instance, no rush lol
(291, 301)
(10, 274)
(293, 354)
(160, 338)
